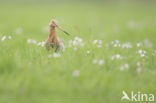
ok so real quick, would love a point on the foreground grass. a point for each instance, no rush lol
(28, 75)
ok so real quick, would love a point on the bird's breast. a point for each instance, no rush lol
(60, 45)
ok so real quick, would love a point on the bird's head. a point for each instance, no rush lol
(53, 23)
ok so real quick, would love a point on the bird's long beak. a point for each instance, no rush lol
(62, 29)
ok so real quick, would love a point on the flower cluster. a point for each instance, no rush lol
(88, 51)
(126, 45)
(142, 53)
(139, 44)
(76, 73)
(55, 55)
(5, 37)
(99, 62)
(139, 68)
(116, 43)
(42, 43)
(98, 43)
(31, 41)
(117, 56)
(76, 42)
(124, 67)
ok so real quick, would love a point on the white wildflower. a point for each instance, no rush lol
(138, 64)
(118, 56)
(3, 38)
(138, 44)
(76, 38)
(112, 42)
(95, 41)
(94, 61)
(76, 73)
(117, 41)
(124, 67)
(126, 45)
(139, 51)
(30, 41)
(142, 55)
(41, 44)
(88, 52)
(113, 57)
(144, 52)
(115, 45)
(100, 41)
(99, 46)
(101, 61)
(56, 55)
(9, 37)
(79, 40)
(75, 43)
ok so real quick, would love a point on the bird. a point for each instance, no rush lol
(54, 42)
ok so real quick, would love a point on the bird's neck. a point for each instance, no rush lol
(52, 34)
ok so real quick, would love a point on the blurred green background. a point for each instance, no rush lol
(28, 75)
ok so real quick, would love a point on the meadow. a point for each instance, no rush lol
(111, 49)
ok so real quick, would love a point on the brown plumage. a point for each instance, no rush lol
(53, 42)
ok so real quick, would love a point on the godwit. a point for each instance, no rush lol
(53, 41)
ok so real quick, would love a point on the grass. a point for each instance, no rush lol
(27, 75)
